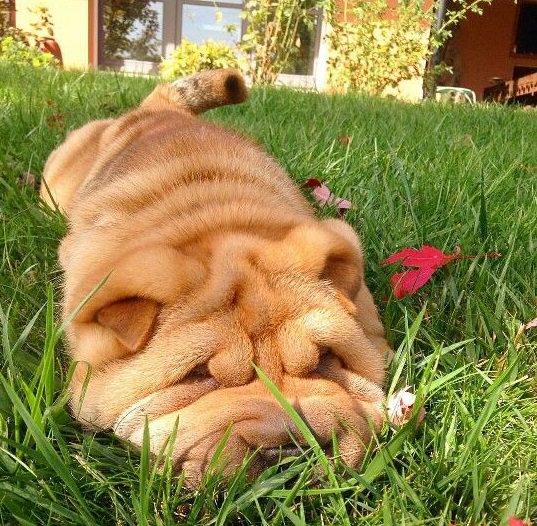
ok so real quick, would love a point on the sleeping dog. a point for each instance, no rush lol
(209, 260)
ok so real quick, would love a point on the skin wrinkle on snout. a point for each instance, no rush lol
(259, 422)
(215, 261)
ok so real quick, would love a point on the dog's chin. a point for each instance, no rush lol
(247, 419)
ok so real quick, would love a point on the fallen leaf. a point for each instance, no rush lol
(513, 521)
(56, 120)
(400, 406)
(324, 196)
(531, 324)
(409, 281)
(28, 179)
(426, 256)
(312, 183)
(345, 140)
(426, 261)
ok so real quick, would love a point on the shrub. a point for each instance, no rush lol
(272, 37)
(23, 47)
(189, 58)
(374, 46)
(17, 51)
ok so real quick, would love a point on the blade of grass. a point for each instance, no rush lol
(52, 458)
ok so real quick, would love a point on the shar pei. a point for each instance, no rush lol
(210, 261)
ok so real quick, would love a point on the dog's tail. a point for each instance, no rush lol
(200, 92)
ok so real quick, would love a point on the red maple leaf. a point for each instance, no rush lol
(409, 281)
(427, 260)
(426, 256)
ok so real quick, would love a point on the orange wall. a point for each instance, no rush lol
(484, 46)
(344, 9)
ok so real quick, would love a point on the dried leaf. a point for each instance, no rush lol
(345, 140)
(56, 120)
(324, 196)
(28, 179)
(531, 324)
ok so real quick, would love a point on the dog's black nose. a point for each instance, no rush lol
(273, 455)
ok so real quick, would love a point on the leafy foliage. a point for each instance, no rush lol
(15, 51)
(23, 47)
(374, 45)
(188, 58)
(272, 35)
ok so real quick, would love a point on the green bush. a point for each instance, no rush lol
(375, 45)
(17, 51)
(272, 39)
(189, 58)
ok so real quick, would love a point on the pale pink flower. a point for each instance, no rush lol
(400, 406)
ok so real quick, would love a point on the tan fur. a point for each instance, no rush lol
(214, 261)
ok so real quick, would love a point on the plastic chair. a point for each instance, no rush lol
(455, 94)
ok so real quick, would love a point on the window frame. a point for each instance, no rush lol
(172, 20)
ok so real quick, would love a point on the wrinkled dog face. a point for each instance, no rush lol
(174, 332)
(268, 303)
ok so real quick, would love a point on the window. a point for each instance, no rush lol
(130, 29)
(135, 34)
(143, 31)
(214, 21)
(526, 35)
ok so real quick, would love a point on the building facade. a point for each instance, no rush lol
(500, 44)
(133, 36)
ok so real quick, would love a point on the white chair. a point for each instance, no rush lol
(455, 94)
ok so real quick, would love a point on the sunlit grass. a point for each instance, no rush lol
(443, 175)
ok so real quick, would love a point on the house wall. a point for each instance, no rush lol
(70, 23)
(484, 45)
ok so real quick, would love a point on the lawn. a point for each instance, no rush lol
(448, 176)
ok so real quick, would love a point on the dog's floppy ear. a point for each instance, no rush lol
(131, 319)
(325, 250)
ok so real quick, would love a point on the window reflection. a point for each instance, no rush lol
(219, 24)
(132, 29)
(135, 34)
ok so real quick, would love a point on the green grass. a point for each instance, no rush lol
(442, 175)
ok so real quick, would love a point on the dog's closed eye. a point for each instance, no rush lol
(327, 356)
(201, 372)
